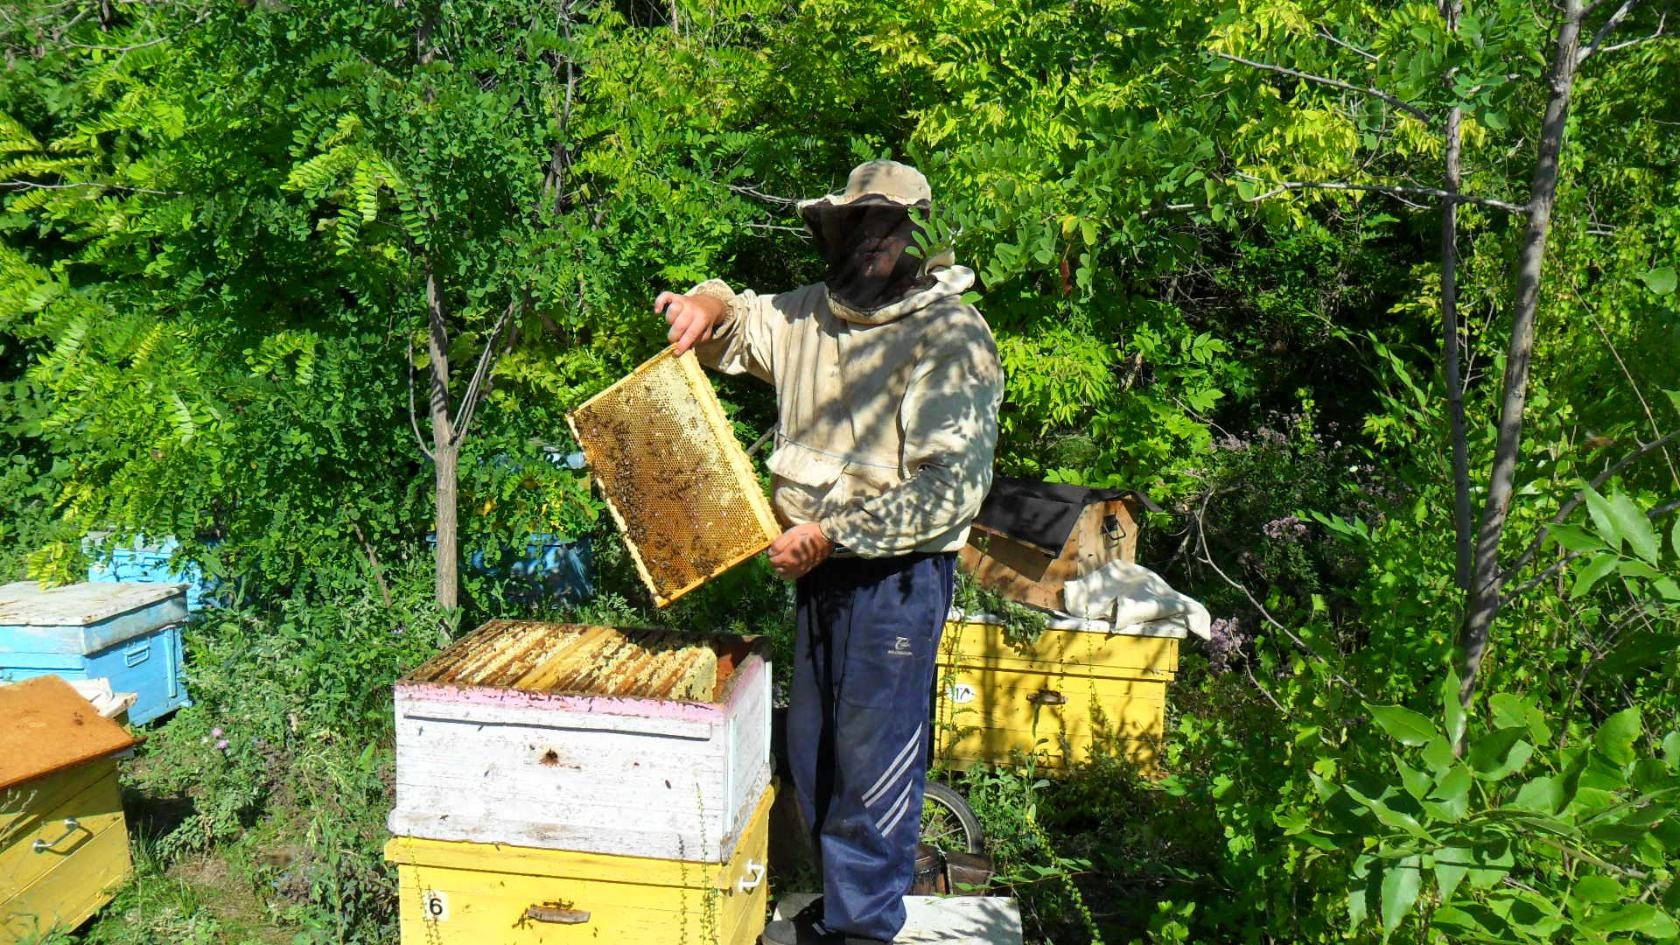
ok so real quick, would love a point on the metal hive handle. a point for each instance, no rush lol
(72, 826)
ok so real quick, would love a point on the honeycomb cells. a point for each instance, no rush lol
(676, 481)
(535, 656)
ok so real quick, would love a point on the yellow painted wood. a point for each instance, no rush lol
(1069, 651)
(24, 804)
(62, 887)
(1057, 698)
(455, 893)
(88, 793)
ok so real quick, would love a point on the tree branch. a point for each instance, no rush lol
(1483, 601)
(1563, 562)
(1568, 508)
(1389, 189)
(1655, 34)
(475, 387)
(1206, 557)
(756, 194)
(1348, 46)
(413, 419)
(1609, 27)
(31, 185)
(1376, 93)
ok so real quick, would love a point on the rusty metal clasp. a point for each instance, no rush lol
(557, 913)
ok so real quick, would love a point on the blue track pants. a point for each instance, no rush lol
(858, 738)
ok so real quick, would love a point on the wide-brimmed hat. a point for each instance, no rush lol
(875, 182)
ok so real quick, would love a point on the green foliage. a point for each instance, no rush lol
(1518, 839)
(216, 222)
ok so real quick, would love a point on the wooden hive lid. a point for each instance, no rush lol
(26, 604)
(49, 727)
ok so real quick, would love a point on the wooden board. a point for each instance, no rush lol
(50, 727)
(1057, 697)
(676, 481)
(1106, 531)
(1098, 652)
(82, 618)
(480, 894)
(612, 774)
(934, 920)
(74, 869)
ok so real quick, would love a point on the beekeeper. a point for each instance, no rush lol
(887, 389)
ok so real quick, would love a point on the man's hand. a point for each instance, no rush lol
(691, 317)
(800, 549)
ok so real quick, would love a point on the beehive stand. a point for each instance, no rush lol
(934, 920)
(675, 479)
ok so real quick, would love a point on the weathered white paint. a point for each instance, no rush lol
(557, 775)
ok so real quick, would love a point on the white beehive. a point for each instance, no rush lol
(564, 737)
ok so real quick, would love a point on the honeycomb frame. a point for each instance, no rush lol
(652, 439)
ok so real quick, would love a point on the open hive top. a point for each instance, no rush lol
(676, 481)
(534, 656)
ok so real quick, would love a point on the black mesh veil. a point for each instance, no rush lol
(865, 244)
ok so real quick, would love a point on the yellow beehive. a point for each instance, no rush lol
(462, 893)
(63, 841)
(1056, 697)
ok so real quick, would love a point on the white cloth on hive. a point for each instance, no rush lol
(1129, 594)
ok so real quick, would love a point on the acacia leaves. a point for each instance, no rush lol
(1521, 838)
(1622, 541)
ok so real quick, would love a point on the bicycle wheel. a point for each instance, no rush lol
(948, 823)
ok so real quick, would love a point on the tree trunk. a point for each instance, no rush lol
(1449, 326)
(448, 541)
(1485, 586)
(445, 451)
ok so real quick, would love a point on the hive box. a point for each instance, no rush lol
(1077, 685)
(63, 841)
(129, 634)
(481, 759)
(454, 893)
(147, 562)
(1031, 538)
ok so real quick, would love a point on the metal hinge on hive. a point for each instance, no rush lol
(676, 481)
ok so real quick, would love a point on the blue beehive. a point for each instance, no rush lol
(127, 633)
(146, 562)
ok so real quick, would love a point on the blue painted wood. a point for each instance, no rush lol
(148, 665)
(549, 569)
(145, 562)
(127, 633)
(83, 618)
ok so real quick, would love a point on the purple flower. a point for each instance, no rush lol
(216, 732)
(1225, 644)
(222, 744)
(1287, 528)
